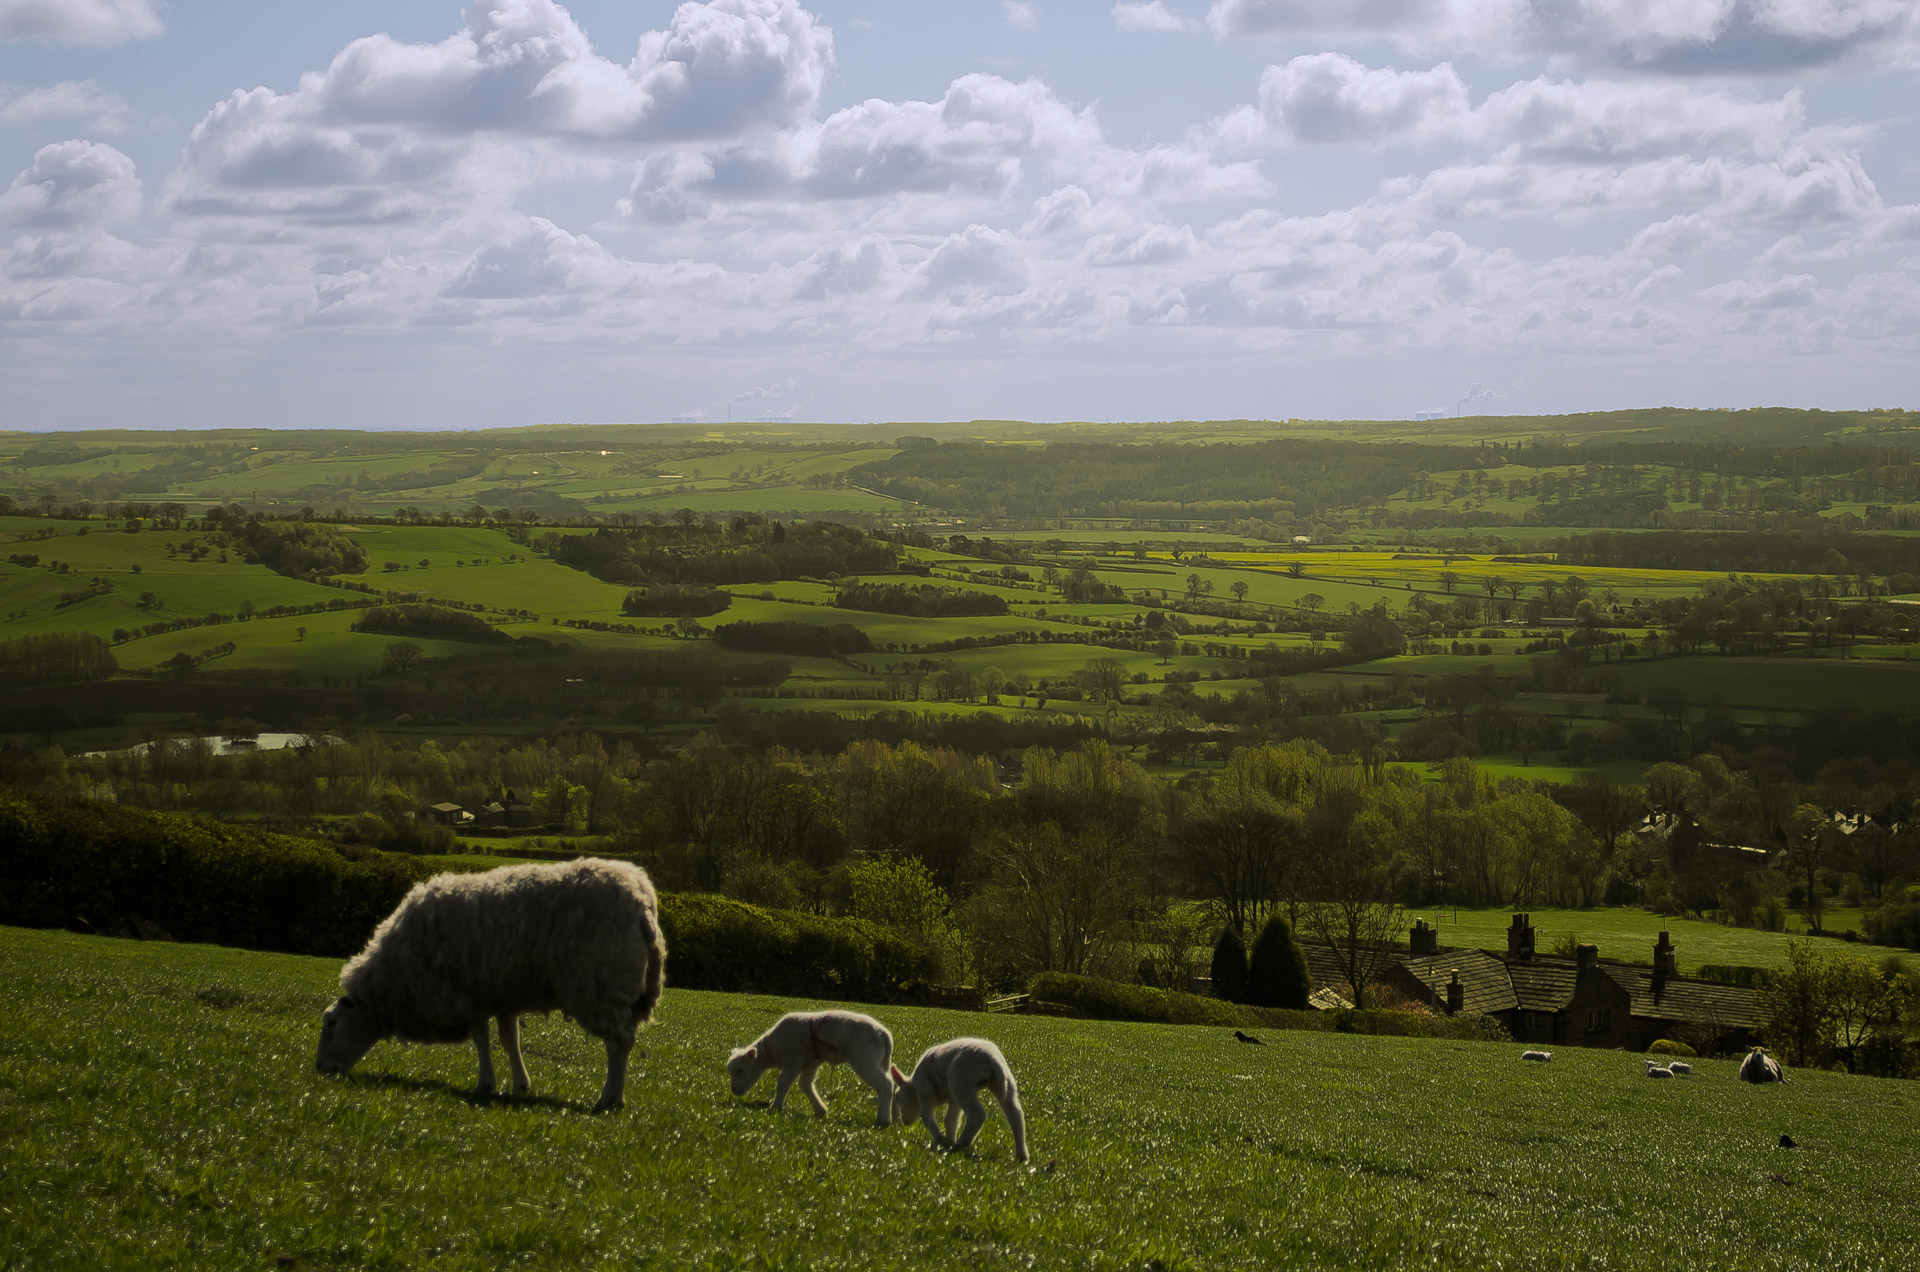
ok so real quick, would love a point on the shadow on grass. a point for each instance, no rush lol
(467, 1095)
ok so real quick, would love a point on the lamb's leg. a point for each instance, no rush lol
(510, 1043)
(781, 1086)
(813, 1096)
(940, 1139)
(953, 1120)
(614, 1096)
(1016, 1119)
(968, 1100)
(883, 1096)
(483, 1045)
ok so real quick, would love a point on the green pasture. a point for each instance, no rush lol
(160, 1110)
(1626, 932)
(1792, 684)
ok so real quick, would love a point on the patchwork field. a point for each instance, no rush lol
(158, 1109)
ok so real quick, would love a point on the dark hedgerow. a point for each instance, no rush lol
(1111, 1000)
(117, 871)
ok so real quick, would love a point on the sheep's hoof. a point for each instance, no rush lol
(608, 1106)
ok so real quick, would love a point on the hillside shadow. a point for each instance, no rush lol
(467, 1095)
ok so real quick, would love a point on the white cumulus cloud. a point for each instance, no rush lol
(87, 22)
(1153, 16)
(92, 106)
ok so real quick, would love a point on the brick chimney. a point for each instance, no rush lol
(1456, 995)
(1664, 965)
(1520, 937)
(1588, 957)
(1423, 939)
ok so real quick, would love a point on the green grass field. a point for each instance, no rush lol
(1627, 932)
(158, 1109)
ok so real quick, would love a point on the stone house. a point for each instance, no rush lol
(1582, 1001)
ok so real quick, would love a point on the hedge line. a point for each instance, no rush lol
(120, 871)
(716, 943)
(1111, 1000)
(128, 872)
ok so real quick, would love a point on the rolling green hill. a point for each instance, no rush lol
(158, 1109)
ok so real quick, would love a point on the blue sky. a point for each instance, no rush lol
(515, 211)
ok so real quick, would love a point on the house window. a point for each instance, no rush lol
(1599, 1019)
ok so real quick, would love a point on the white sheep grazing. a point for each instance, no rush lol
(800, 1042)
(1538, 1057)
(953, 1074)
(1655, 1071)
(1760, 1068)
(582, 937)
(1680, 1068)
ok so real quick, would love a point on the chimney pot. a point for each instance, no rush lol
(1456, 994)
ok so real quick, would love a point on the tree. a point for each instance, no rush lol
(1449, 581)
(1296, 568)
(1229, 969)
(1239, 590)
(1193, 585)
(402, 655)
(1311, 602)
(1277, 974)
(1348, 907)
(1808, 847)
(1057, 901)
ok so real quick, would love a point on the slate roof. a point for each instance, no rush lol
(1681, 999)
(1543, 986)
(1324, 964)
(1483, 977)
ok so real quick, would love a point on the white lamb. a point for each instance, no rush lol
(1680, 1068)
(582, 937)
(1538, 1057)
(1655, 1071)
(953, 1074)
(800, 1042)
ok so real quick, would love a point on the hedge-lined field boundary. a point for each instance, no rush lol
(118, 871)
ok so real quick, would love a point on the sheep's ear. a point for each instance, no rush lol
(893, 1071)
(751, 1053)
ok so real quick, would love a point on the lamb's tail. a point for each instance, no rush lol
(656, 976)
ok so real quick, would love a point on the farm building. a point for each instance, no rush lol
(449, 814)
(1579, 1002)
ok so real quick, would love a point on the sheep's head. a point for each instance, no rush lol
(744, 1068)
(347, 1032)
(906, 1099)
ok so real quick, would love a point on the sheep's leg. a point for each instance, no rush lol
(614, 1096)
(940, 1139)
(969, 1102)
(953, 1120)
(483, 1045)
(510, 1043)
(780, 1087)
(813, 1096)
(883, 1097)
(1016, 1120)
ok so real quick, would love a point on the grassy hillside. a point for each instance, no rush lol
(158, 1110)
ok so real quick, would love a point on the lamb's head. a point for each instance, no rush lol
(906, 1099)
(347, 1032)
(744, 1068)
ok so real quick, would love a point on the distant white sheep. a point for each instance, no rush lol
(1760, 1068)
(801, 1041)
(953, 1074)
(1538, 1057)
(1655, 1071)
(1680, 1068)
(582, 937)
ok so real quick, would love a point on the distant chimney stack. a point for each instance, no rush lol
(1423, 940)
(1456, 995)
(1520, 937)
(1588, 957)
(1664, 964)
